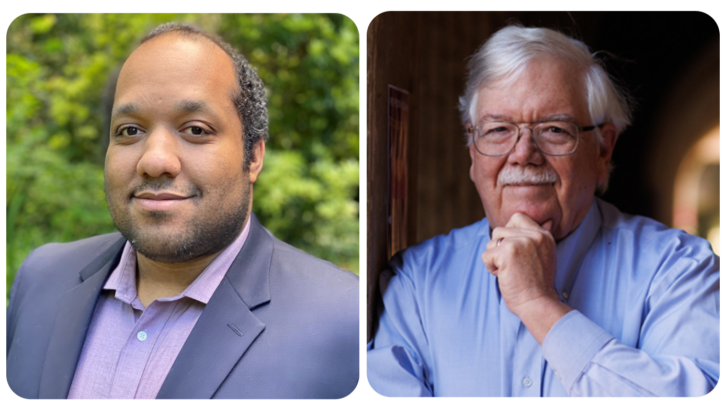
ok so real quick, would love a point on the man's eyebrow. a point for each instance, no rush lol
(490, 116)
(188, 105)
(562, 116)
(125, 109)
(546, 118)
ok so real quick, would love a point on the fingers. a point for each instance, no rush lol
(504, 235)
(489, 262)
(497, 251)
(521, 225)
(548, 225)
(520, 233)
(521, 220)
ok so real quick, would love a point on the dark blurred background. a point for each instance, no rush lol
(666, 163)
(61, 71)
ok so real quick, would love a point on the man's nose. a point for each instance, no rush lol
(160, 155)
(526, 151)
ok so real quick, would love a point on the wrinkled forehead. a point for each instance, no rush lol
(535, 77)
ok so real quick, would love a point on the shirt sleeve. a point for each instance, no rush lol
(678, 349)
(397, 354)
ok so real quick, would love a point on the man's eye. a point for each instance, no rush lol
(497, 132)
(128, 131)
(195, 130)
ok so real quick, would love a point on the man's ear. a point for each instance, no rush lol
(255, 165)
(472, 153)
(606, 148)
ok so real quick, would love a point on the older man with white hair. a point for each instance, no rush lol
(555, 292)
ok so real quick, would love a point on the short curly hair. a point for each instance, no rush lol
(250, 101)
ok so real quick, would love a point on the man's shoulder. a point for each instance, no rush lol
(309, 267)
(655, 253)
(644, 233)
(47, 274)
(300, 278)
(91, 244)
(458, 239)
(70, 256)
(307, 289)
(445, 248)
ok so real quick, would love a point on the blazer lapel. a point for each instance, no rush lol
(71, 324)
(227, 327)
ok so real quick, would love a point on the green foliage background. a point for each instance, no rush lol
(58, 69)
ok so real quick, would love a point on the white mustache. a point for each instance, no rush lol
(527, 175)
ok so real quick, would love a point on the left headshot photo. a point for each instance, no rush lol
(182, 206)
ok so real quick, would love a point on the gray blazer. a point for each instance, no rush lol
(295, 321)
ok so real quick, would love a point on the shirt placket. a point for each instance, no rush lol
(526, 375)
(137, 351)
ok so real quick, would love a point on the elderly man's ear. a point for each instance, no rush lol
(472, 153)
(257, 162)
(606, 148)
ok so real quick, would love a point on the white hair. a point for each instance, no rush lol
(506, 54)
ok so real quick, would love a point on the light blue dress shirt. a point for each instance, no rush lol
(646, 317)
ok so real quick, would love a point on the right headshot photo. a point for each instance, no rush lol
(543, 204)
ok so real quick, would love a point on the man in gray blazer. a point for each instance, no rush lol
(193, 298)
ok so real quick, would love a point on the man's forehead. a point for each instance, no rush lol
(177, 64)
(183, 38)
(553, 86)
(175, 50)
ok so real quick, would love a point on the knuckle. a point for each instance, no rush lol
(549, 236)
(528, 243)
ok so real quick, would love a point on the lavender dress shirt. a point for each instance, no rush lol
(130, 348)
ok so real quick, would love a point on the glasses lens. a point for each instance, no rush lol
(496, 138)
(556, 138)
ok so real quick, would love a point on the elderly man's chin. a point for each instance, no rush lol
(537, 201)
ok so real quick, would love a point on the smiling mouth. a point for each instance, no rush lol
(158, 201)
(149, 195)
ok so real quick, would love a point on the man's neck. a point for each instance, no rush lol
(158, 280)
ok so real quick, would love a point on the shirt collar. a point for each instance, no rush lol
(123, 278)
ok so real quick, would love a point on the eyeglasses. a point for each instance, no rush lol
(554, 138)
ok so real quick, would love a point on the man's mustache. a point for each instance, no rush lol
(513, 175)
(166, 184)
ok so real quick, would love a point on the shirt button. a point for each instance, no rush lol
(527, 382)
(557, 375)
(565, 295)
(141, 336)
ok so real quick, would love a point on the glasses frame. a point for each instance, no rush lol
(471, 130)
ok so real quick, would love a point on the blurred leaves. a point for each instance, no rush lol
(58, 67)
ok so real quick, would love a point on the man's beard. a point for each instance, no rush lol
(200, 236)
(516, 175)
